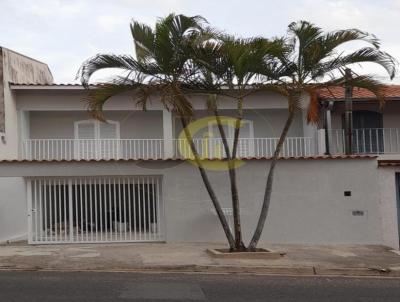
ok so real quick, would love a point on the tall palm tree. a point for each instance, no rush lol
(180, 56)
(230, 67)
(162, 66)
(312, 61)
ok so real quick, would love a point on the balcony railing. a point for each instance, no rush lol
(247, 147)
(367, 141)
(68, 149)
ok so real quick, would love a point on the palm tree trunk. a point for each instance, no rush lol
(208, 186)
(180, 95)
(239, 245)
(270, 180)
(222, 133)
(239, 119)
(232, 174)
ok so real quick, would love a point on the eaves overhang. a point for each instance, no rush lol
(360, 100)
(62, 168)
(316, 157)
(27, 86)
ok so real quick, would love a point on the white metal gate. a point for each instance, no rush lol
(95, 209)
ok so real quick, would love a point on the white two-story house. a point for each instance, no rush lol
(67, 178)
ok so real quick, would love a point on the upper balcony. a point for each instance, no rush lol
(375, 131)
(137, 135)
(211, 148)
(366, 141)
(53, 125)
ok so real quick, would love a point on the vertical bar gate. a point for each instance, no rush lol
(95, 209)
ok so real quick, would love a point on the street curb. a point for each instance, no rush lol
(381, 272)
(218, 269)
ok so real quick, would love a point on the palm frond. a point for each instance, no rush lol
(314, 54)
(313, 106)
(333, 39)
(97, 97)
(369, 55)
(143, 37)
(325, 46)
(105, 61)
(305, 32)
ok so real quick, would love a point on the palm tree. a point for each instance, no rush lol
(230, 67)
(180, 56)
(312, 61)
(162, 66)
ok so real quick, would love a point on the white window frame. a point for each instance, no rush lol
(231, 129)
(96, 127)
(97, 140)
(231, 133)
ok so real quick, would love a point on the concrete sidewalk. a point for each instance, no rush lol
(354, 260)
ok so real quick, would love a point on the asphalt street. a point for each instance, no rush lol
(58, 286)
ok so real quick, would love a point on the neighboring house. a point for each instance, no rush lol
(71, 179)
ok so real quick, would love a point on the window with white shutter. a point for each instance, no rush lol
(97, 140)
(246, 137)
(85, 130)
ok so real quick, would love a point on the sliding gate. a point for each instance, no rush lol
(95, 209)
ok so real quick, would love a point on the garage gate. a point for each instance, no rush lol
(95, 209)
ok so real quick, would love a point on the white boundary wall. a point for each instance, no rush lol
(308, 203)
(388, 205)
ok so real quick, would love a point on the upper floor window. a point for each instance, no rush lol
(246, 138)
(97, 140)
(246, 129)
(94, 129)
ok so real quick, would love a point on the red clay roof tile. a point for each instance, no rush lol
(316, 157)
(391, 91)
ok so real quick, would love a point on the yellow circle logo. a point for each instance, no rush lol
(209, 148)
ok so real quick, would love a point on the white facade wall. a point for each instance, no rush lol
(388, 205)
(149, 124)
(13, 206)
(266, 122)
(60, 124)
(308, 203)
(39, 98)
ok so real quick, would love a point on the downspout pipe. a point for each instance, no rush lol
(348, 115)
(328, 126)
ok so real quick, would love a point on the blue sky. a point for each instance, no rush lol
(63, 33)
